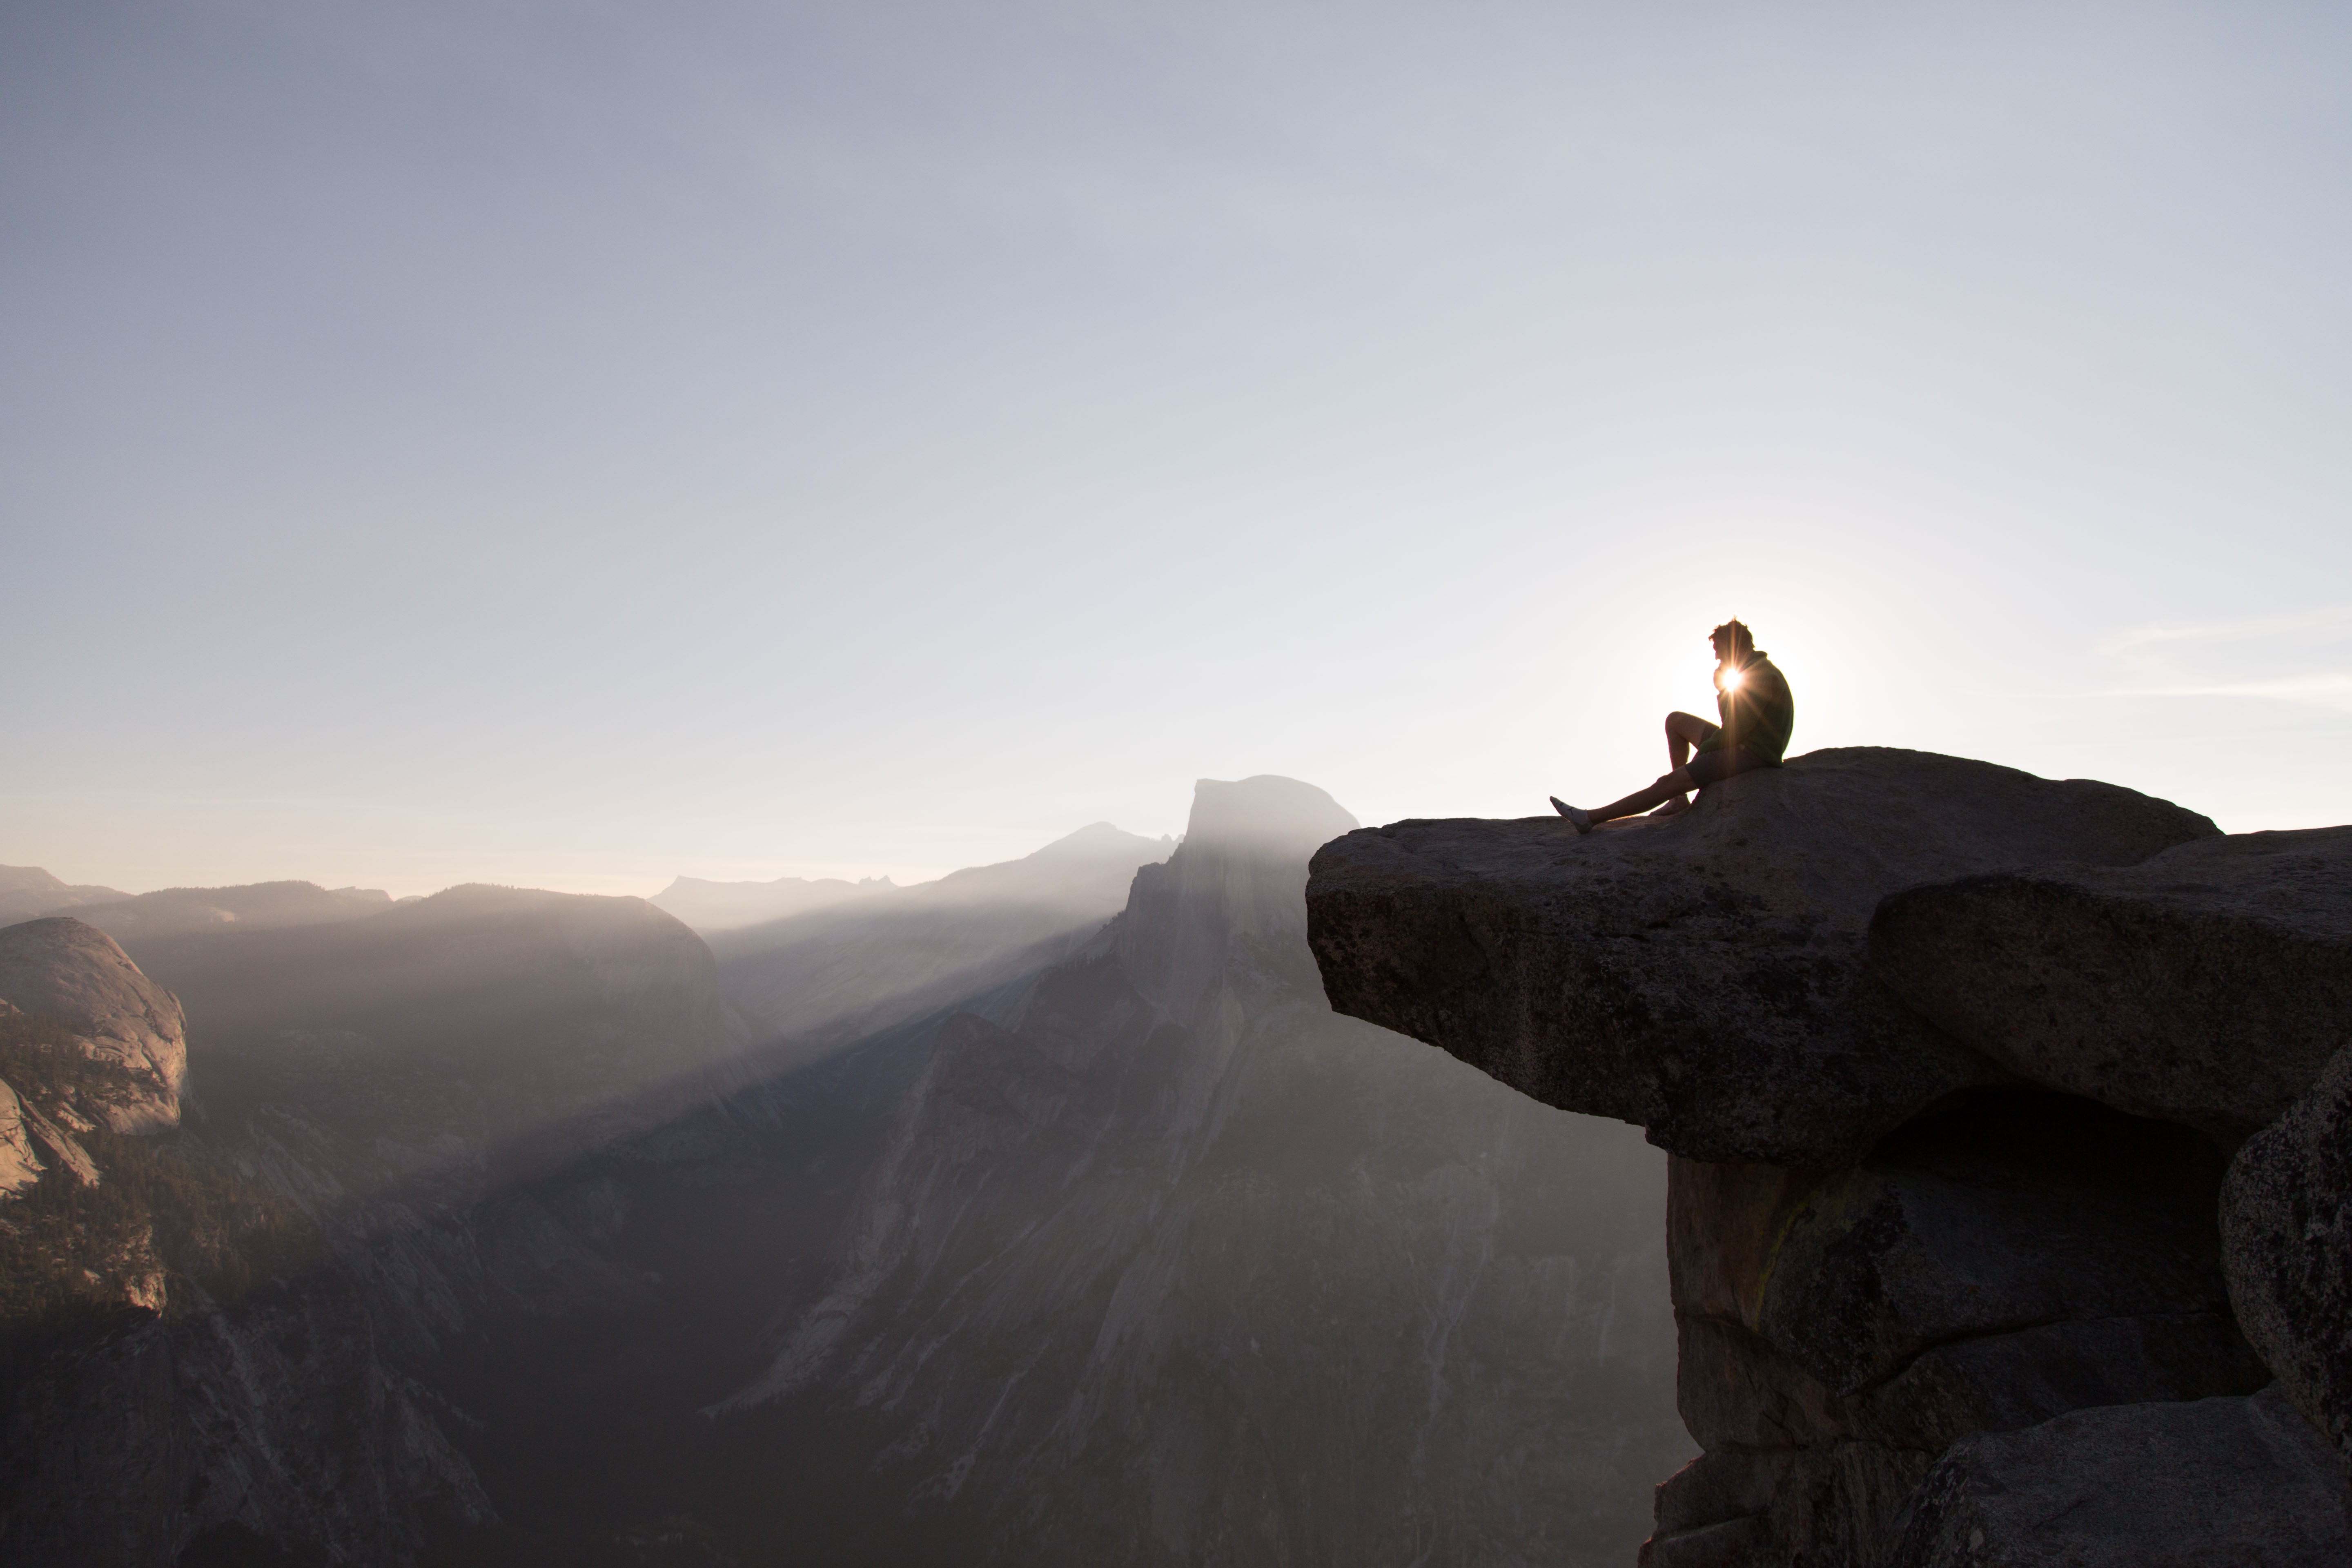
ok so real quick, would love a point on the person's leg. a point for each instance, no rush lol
(1669, 786)
(1706, 768)
(1683, 730)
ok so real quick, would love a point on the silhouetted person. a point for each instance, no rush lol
(1758, 714)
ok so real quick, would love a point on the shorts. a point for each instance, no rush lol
(1714, 767)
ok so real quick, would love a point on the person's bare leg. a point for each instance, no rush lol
(1683, 731)
(1668, 787)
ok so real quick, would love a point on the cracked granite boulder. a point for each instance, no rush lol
(2213, 1483)
(1703, 976)
(2207, 985)
(1990, 1266)
(2286, 1229)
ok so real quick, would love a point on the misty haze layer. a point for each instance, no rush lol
(854, 967)
(708, 906)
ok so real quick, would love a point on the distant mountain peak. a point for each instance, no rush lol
(1098, 838)
(257, 906)
(1266, 811)
(710, 906)
(28, 890)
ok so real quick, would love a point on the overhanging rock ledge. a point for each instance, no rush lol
(1703, 976)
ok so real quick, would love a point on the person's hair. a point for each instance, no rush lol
(1742, 640)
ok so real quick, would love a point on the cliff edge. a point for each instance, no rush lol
(1953, 1062)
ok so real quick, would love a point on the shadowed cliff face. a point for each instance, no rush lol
(1167, 1263)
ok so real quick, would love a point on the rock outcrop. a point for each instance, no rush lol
(2207, 985)
(1703, 976)
(1953, 1060)
(2286, 1227)
(2187, 1484)
(75, 974)
(20, 1166)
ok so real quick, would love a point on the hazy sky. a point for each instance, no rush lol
(572, 444)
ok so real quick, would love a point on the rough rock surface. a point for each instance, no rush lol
(279, 1416)
(75, 973)
(2287, 1229)
(2207, 985)
(2215, 1483)
(20, 1166)
(2018, 1213)
(1703, 975)
(1988, 1268)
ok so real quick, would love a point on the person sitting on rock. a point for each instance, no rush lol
(1758, 714)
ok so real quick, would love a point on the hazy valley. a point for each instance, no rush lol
(1044, 1213)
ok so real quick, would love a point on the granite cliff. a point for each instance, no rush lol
(2008, 1209)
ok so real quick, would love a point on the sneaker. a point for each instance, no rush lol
(1582, 820)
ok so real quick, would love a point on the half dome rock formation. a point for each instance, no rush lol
(76, 973)
(1952, 1060)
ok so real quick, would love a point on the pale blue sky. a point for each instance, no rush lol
(572, 444)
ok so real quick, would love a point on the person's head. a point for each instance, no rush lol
(1733, 644)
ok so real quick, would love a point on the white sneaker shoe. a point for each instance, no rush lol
(1582, 820)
